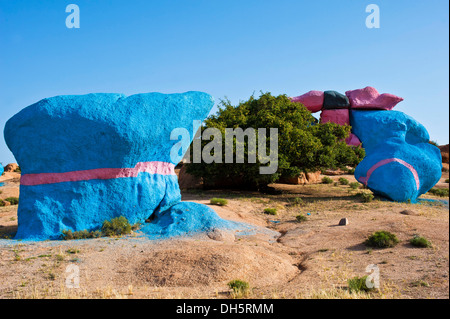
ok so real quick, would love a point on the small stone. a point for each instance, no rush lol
(409, 212)
(221, 235)
(343, 222)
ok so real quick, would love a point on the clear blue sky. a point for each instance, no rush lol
(226, 48)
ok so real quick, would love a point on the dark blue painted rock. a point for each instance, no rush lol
(400, 164)
(90, 158)
(335, 100)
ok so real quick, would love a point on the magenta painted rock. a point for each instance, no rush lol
(338, 116)
(369, 98)
(353, 140)
(313, 100)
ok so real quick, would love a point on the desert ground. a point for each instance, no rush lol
(308, 259)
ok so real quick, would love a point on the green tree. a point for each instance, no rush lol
(303, 145)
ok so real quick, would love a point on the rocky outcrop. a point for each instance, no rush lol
(86, 159)
(444, 153)
(400, 164)
(302, 178)
(12, 167)
(188, 181)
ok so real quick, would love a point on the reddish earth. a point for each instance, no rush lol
(309, 259)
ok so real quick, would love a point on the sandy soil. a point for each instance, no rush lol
(310, 259)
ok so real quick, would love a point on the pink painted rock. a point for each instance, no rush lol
(338, 116)
(313, 100)
(369, 98)
(352, 140)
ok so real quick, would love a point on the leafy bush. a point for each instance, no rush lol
(297, 201)
(354, 185)
(447, 180)
(327, 180)
(365, 197)
(420, 242)
(382, 239)
(270, 211)
(351, 171)
(81, 234)
(218, 201)
(343, 181)
(12, 200)
(301, 218)
(303, 145)
(358, 284)
(441, 192)
(239, 286)
(116, 227)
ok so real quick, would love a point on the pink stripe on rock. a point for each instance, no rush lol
(365, 180)
(161, 168)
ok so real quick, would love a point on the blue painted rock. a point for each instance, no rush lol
(90, 158)
(1, 170)
(400, 164)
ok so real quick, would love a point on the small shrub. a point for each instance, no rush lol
(358, 284)
(354, 185)
(2, 203)
(18, 170)
(343, 181)
(441, 192)
(72, 251)
(81, 234)
(13, 200)
(420, 283)
(218, 201)
(421, 242)
(116, 227)
(351, 171)
(297, 201)
(366, 197)
(434, 143)
(447, 180)
(301, 218)
(239, 286)
(327, 180)
(382, 239)
(270, 211)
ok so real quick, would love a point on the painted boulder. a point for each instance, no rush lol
(89, 158)
(400, 163)
(1, 170)
(335, 100)
(312, 100)
(369, 98)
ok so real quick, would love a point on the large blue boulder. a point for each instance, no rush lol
(86, 159)
(400, 163)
